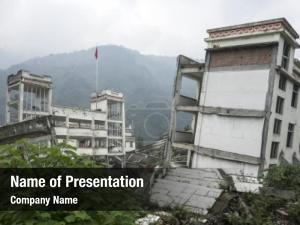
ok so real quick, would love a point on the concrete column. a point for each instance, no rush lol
(50, 100)
(7, 114)
(93, 137)
(123, 133)
(67, 127)
(21, 100)
(188, 158)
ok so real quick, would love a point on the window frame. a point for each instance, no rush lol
(290, 135)
(286, 52)
(281, 109)
(274, 150)
(282, 82)
(277, 126)
(295, 93)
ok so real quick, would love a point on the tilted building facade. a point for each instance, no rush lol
(245, 109)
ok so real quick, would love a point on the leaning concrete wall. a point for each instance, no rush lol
(231, 134)
(202, 161)
(244, 89)
(235, 79)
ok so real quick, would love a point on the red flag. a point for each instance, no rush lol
(96, 53)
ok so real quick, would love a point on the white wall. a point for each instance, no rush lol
(235, 89)
(232, 134)
(75, 113)
(200, 161)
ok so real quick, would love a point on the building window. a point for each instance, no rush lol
(285, 56)
(85, 143)
(290, 134)
(279, 105)
(282, 82)
(114, 145)
(295, 96)
(35, 98)
(100, 143)
(277, 126)
(131, 144)
(99, 125)
(115, 129)
(274, 150)
(114, 110)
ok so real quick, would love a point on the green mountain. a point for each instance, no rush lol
(146, 81)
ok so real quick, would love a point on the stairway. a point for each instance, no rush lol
(193, 190)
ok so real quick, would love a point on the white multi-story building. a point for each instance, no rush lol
(98, 131)
(246, 109)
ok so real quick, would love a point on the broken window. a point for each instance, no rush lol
(282, 82)
(285, 55)
(100, 143)
(274, 150)
(115, 129)
(279, 105)
(85, 143)
(99, 125)
(277, 126)
(290, 135)
(35, 98)
(114, 145)
(295, 96)
(60, 121)
(14, 94)
(114, 110)
(84, 124)
(13, 113)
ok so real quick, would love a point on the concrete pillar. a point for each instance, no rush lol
(93, 137)
(188, 160)
(123, 134)
(7, 114)
(50, 100)
(67, 127)
(21, 100)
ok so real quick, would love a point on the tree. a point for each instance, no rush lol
(25, 155)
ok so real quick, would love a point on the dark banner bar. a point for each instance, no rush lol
(74, 189)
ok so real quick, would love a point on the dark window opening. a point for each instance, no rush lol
(285, 56)
(277, 126)
(274, 150)
(282, 82)
(295, 96)
(279, 105)
(290, 135)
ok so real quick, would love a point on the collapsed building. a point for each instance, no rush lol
(245, 108)
(244, 116)
(99, 131)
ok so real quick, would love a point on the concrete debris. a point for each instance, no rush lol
(147, 220)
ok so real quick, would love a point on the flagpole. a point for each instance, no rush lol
(97, 69)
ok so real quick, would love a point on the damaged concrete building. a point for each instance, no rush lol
(245, 110)
(98, 131)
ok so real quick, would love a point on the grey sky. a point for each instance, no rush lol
(30, 28)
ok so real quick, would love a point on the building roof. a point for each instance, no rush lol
(265, 25)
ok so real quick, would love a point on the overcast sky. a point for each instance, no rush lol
(30, 28)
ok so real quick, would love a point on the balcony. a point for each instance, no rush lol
(84, 151)
(80, 132)
(100, 151)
